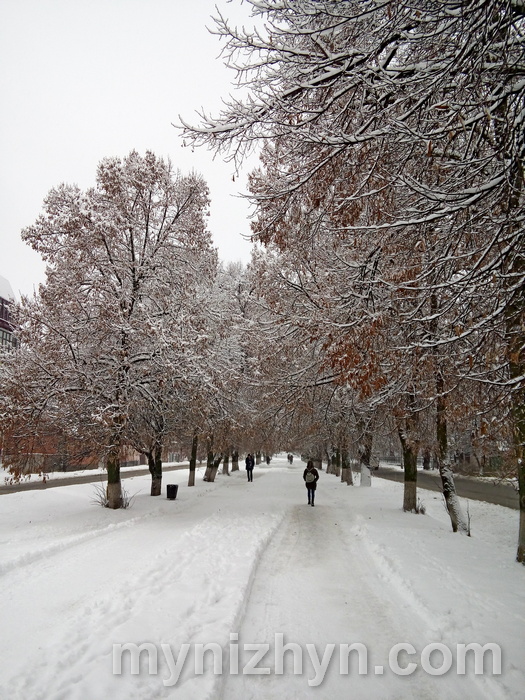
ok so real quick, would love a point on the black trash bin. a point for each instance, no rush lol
(172, 491)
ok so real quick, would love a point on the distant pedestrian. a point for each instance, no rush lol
(249, 466)
(311, 477)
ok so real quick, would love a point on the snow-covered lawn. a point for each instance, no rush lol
(233, 564)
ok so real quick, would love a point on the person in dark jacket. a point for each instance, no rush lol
(311, 477)
(249, 461)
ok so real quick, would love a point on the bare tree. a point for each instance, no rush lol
(442, 93)
(121, 259)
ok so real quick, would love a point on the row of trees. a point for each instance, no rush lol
(390, 204)
(141, 337)
(119, 348)
(386, 297)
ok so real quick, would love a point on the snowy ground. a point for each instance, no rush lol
(234, 564)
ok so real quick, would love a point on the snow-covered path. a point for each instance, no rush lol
(317, 584)
(231, 564)
(291, 587)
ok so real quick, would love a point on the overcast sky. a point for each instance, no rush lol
(84, 79)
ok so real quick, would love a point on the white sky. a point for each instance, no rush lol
(84, 79)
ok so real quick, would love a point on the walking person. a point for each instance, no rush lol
(249, 461)
(311, 477)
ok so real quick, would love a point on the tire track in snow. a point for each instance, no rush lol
(449, 626)
(161, 600)
(65, 543)
(316, 561)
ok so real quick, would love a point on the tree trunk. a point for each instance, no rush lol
(209, 459)
(410, 450)
(515, 325)
(346, 468)
(457, 518)
(114, 487)
(365, 453)
(214, 467)
(426, 459)
(516, 353)
(337, 466)
(328, 461)
(151, 462)
(193, 459)
(226, 464)
(520, 555)
(155, 468)
(408, 435)
(235, 461)
(257, 458)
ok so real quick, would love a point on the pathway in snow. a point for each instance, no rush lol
(254, 560)
(316, 583)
